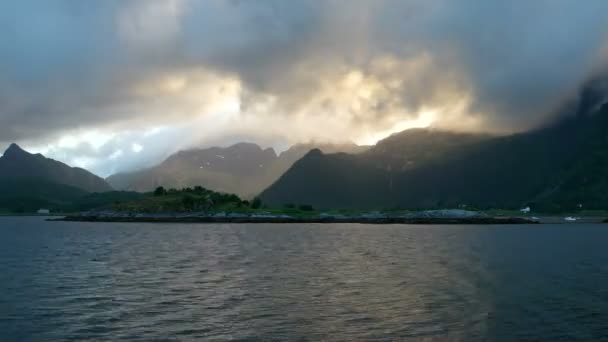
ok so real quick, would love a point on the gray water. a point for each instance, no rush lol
(98, 281)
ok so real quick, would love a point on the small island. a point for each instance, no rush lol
(200, 205)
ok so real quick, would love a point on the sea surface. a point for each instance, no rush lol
(64, 281)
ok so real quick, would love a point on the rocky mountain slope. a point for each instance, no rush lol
(561, 166)
(244, 169)
(17, 164)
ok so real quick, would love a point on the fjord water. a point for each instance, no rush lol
(112, 281)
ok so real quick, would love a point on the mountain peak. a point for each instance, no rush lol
(316, 152)
(16, 163)
(14, 150)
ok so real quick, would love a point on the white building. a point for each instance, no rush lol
(42, 211)
(525, 210)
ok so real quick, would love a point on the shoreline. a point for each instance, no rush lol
(277, 219)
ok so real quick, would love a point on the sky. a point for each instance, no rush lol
(117, 85)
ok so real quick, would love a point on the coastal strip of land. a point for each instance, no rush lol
(427, 217)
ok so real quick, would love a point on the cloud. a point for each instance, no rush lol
(278, 72)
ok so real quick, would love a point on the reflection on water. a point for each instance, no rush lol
(75, 281)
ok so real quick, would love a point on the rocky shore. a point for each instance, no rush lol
(423, 217)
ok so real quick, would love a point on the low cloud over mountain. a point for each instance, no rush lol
(131, 73)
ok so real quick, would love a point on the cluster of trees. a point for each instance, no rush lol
(199, 198)
(302, 207)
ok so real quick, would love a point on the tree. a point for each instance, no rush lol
(306, 207)
(257, 203)
(188, 202)
(208, 203)
(233, 198)
(160, 191)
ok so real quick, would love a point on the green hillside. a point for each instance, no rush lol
(27, 196)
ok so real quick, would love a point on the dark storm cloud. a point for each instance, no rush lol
(524, 57)
(66, 64)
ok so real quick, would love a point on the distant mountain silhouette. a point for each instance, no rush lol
(558, 167)
(19, 165)
(244, 169)
(362, 180)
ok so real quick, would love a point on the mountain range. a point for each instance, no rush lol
(244, 169)
(31, 181)
(561, 166)
(17, 164)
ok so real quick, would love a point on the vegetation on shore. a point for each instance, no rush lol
(27, 196)
(66, 199)
(199, 199)
(62, 199)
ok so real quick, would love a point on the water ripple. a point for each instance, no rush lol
(141, 282)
